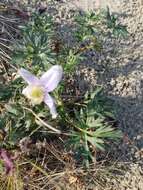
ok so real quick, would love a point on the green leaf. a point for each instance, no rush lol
(107, 132)
(11, 109)
(95, 123)
(96, 142)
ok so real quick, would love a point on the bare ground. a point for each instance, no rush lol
(122, 78)
(121, 74)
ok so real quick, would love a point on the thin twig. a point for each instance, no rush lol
(43, 122)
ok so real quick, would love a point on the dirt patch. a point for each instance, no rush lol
(121, 74)
(122, 78)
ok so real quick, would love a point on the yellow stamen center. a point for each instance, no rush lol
(36, 94)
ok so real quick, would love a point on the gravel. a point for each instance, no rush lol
(121, 74)
(122, 79)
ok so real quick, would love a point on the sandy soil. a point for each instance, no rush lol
(123, 80)
(121, 74)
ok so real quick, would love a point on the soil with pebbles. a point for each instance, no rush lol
(121, 74)
(122, 78)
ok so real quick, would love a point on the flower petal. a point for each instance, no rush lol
(26, 91)
(28, 77)
(52, 77)
(51, 104)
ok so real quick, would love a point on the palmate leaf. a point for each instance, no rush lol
(97, 109)
(98, 104)
(95, 123)
(117, 29)
(35, 47)
(80, 120)
(5, 92)
(120, 30)
(87, 31)
(71, 62)
(107, 132)
(96, 143)
(74, 140)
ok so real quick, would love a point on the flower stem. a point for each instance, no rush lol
(43, 122)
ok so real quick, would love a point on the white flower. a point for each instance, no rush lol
(38, 89)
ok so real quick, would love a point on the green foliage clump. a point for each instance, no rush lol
(117, 29)
(35, 48)
(93, 125)
(86, 125)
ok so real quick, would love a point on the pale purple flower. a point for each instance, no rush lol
(7, 161)
(38, 89)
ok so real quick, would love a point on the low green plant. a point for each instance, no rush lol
(86, 124)
(35, 48)
(93, 127)
(116, 28)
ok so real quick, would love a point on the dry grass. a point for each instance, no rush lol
(7, 37)
(48, 166)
